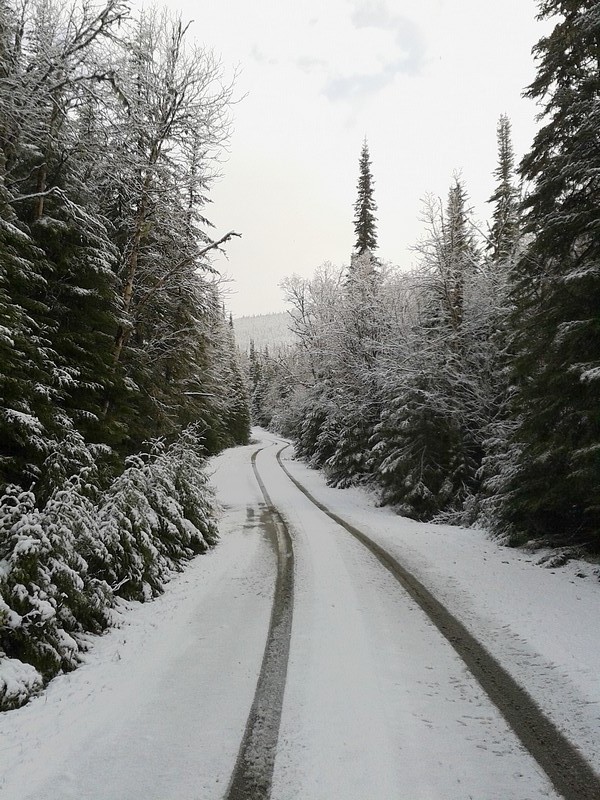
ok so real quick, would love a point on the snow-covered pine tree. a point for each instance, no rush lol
(253, 367)
(504, 245)
(28, 416)
(417, 449)
(554, 492)
(360, 328)
(261, 402)
(67, 293)
(505, 227)
(236, 412)
(365, 207)
(459, 257)
(81, 302)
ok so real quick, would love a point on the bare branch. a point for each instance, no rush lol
(54, 190)
(215, 245)
(183, 263)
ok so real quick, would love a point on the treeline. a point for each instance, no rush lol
(113, 339)
(467, 390)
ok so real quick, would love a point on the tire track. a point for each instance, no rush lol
(253, 771)
(567, 770)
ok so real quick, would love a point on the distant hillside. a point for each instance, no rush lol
(266, 330)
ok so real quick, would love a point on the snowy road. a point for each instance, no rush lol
(378, 703)
(367, 699)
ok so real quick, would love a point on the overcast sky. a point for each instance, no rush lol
(424, 81)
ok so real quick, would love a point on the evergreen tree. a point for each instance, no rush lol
(458, 256)
(554, 490)
(231, 383)
(60, 269)
(504, 231)
(30, 395)
(254, 367)
(82, 306)
(503, 252)
(418, 449)
(364, 208)
(237, 413)
(262, 412)
(361, 327)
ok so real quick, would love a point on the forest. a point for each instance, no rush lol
(118, 369)
(466, 390)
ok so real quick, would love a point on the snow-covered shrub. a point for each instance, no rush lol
(193, 490)
(62, 564)
(67, 457)
(70, 521)
(18, 681)
(158, 513)
(48, 595)
(30, 562)
(130, 527)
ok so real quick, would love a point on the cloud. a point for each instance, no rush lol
(260, 57)
(360, 84)
(374, 15)
(307, 64)
(408, 59)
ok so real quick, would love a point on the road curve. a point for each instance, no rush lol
(570, 774)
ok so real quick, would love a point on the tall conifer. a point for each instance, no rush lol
(504, 230)
(365, 207)
(555, 490)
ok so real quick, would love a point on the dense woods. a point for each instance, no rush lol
(467, 389)
(118, 369)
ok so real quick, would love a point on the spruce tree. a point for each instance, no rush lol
(503, 249)
(458, 255)
(230, 383)
(555, 486)
(82, 306)
(504, 231)
(364, 208)
(67, 290)
(361, 333)
(29, 397)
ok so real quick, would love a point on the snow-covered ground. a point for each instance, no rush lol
(377, 704)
